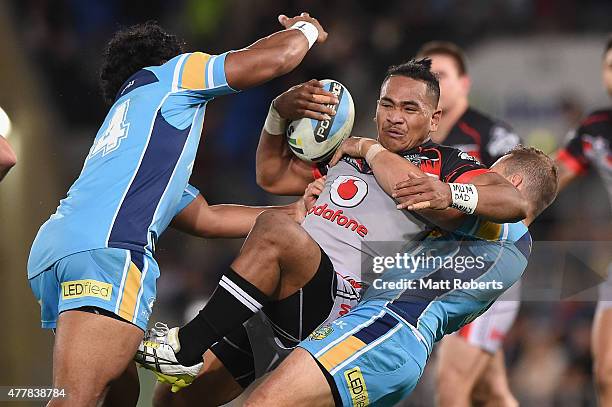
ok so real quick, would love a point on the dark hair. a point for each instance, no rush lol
(420, 70)
(445, 48)
(608, 45)
(132, 49)
(539, 172)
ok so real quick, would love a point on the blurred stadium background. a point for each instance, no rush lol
(534, 63)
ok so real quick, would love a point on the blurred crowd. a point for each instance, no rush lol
(548, 350)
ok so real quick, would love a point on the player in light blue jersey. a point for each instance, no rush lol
(94, 258)
(377, 352)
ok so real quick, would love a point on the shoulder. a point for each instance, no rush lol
(597, 118)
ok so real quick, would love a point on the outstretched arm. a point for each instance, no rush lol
(279, 171)
(274, 55)
(8, 159)
(498, 200)
(216, 221)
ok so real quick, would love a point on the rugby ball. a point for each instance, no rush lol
(316, 140)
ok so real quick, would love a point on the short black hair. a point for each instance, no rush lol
(447, 48)
(420, 70)
(608, 45)
(132, 49)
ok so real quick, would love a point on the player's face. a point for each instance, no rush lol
(607, 71)
(405, 115)
(453, 86)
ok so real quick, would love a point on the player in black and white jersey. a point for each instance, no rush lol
(303, 276)
(590, 147)
(473, 355)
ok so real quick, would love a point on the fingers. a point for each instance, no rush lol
(284, 20)
(412, 190)
(337, 156)
(411, 182)
(313, 115)
(420, 201)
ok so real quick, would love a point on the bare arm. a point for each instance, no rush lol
(278, 170)
(498, 200)
(8, 159)
(215, 221)
(272, 56)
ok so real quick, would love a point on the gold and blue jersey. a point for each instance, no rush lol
(135, 177)
(469, 269)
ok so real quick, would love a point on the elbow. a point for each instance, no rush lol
(286, 61)
(8, 160)
(267, 183)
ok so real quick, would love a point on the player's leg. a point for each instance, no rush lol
(368, 356)
(124, 390)
(602, 351)
(492, 388)
(302, 375)
(459, 367)
(276, 260)
(102, 298)
(90, 351)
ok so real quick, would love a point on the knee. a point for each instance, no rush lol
(162, 396)
(273, 228)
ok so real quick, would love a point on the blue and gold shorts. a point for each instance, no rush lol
(120, 281)
(374, 357)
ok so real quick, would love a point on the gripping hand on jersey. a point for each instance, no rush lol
(311, 194)
(422, 193)
(307, 99)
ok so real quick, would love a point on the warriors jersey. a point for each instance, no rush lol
(590, 147)
(482, 137)
(134, 179)
(353, 211)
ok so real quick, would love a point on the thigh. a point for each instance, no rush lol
(90, 351)
(459, 366)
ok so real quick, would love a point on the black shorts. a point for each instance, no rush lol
(291, 320)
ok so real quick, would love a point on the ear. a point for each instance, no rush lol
(516, 180)
(466, 84)
(435, 120)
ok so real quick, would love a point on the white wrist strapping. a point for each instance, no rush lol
(308, 29)
(275, 124)
(372, 152)
(465, 197)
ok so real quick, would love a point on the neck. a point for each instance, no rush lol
(449, 119)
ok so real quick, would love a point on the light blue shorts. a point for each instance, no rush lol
(117, 280)
(373, 356)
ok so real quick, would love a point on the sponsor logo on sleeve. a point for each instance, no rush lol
(86, 288)
(357, 387)
(321, 333)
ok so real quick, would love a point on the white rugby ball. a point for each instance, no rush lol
(316, 140)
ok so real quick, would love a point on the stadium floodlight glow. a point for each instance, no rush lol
(5, 123)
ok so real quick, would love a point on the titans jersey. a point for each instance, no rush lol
(482, 137)
(135, 177)
(590, 146)
(446, 295)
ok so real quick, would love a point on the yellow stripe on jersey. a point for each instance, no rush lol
(340, 352)
(489, 230)
(194, 71)
(127, 308)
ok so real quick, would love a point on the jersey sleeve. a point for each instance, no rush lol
(204, 75)
(572, 155)
(189, 194)
(459, 166)
(501, 140)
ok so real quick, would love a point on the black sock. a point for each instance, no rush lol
(234, 301)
